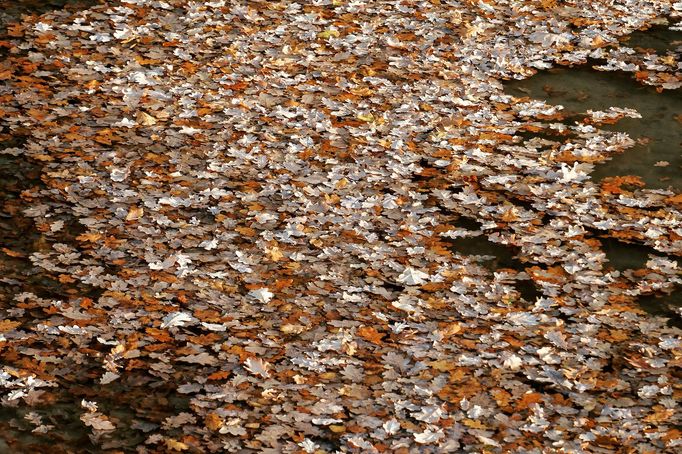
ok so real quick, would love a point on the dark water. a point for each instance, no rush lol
(658, 39)
(625, 256)
(17, 274)
(658, 133)
(494, 256)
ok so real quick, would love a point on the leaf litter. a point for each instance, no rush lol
(267, 195)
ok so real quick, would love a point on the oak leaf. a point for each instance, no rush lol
(370, 334)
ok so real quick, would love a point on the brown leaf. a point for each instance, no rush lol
(145, 119)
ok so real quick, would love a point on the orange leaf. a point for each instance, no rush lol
(281, 284)
(213, 421)
(159, 334)
(246, 231)
(220, 375)
(370, 334)
(642, 75)
(675, 200)
(528, 399)
(12, 253)
(6, 325)
(91, 237)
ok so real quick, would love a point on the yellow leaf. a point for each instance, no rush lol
(669, 60)
(246, 231)
(146, 119)
(134, 213)
(473, 424)
(618, 335)
(328, 34)
(443, 365)
(7, 325)
(509, 215)
(451, 329)
(275, 254)
(91, 237)
(176, 445)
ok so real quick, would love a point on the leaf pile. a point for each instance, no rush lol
(270, 194)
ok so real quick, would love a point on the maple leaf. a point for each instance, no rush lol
(392, 426)
(411, 276)
(261, 294)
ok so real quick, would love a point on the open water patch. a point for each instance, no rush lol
(657, 39)
(657, 155)
(493, 256)
(667, 305)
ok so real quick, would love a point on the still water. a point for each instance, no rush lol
(657, 157)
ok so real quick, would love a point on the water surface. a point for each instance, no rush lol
(657, 157)
(658, 39)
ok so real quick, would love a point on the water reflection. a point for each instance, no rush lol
(657, 157)
(625, 256)
(668, 305)
(628, 256)
(17, 436)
